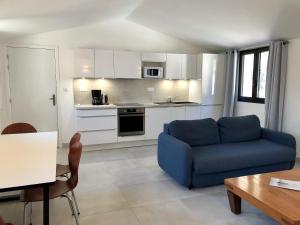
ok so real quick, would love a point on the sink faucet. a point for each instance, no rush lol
(175, 98)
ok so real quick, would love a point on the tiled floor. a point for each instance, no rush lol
(126, 187)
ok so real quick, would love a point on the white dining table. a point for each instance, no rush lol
(28, 160)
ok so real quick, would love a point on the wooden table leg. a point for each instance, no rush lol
(234, 202)
(46, 205)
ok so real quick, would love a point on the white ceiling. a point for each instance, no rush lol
(221, 23)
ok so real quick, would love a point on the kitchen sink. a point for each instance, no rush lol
(183, 102)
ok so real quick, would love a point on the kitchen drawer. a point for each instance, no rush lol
(131, 138)
(99, 137)
(96, 123)
(96, 112)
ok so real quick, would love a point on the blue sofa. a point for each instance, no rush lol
(199, 153)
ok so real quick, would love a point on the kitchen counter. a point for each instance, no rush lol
(146, 105)
(90, 106)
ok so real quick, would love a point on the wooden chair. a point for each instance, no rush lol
(60, 188)
(64, 170)
(3, 223)
(18, 128)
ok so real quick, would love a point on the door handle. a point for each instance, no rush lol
(53, 99)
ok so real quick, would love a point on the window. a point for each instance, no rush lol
(252, 75)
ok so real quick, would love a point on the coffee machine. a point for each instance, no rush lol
(97, 97)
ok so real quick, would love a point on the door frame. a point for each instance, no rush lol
(57, 79)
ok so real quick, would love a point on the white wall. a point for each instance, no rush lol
(118, 34)
(291, 120)
(245, 108)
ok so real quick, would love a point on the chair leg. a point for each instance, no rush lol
(70, 204)
(72, 207)
(24, 213)
(30, 213)
(75, 201)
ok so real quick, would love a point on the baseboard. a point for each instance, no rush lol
(128, 144)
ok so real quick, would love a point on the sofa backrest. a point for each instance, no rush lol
(195, 132)
(239, 129)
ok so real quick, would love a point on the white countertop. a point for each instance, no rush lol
(146, 105)
(90, 106)
(27, 159)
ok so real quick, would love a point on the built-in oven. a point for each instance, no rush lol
(131, 121)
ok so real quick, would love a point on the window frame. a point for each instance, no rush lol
(255, 80)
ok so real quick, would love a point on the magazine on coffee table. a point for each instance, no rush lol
(287, 184)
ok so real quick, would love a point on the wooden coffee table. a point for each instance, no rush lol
(281, 204)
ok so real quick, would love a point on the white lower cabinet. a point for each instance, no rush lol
(155, 118)
(100, 126)
(98, 137)
(177, 113)
(97, 126)
(96, 123)
(193, 112)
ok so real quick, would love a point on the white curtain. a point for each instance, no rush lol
(231, 82)
(275, 85)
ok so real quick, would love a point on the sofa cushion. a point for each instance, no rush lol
(238, 129)
(195, 132)
(235, 156)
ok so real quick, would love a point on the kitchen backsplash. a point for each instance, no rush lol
(123, 90)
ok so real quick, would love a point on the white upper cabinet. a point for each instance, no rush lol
(213, 78)
(174, 66)
(127, 64)
(104, 63)
(154, 57)
(189, 66)
(84, 60)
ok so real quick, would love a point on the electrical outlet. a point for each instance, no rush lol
(150, 89)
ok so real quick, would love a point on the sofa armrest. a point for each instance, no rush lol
(175, 157)
(279, 137)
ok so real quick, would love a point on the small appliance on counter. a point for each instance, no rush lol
(98, 98)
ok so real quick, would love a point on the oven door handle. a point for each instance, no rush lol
(131, 115)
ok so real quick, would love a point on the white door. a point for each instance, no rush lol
(32, 83)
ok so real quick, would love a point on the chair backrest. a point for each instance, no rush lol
(75, 138)
(18, 128)
(74, 160)
(3, 223)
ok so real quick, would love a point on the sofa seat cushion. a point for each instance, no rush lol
(235, 156)
(195, 132)
(241, 128)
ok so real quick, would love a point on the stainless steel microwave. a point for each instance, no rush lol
(153, 72)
